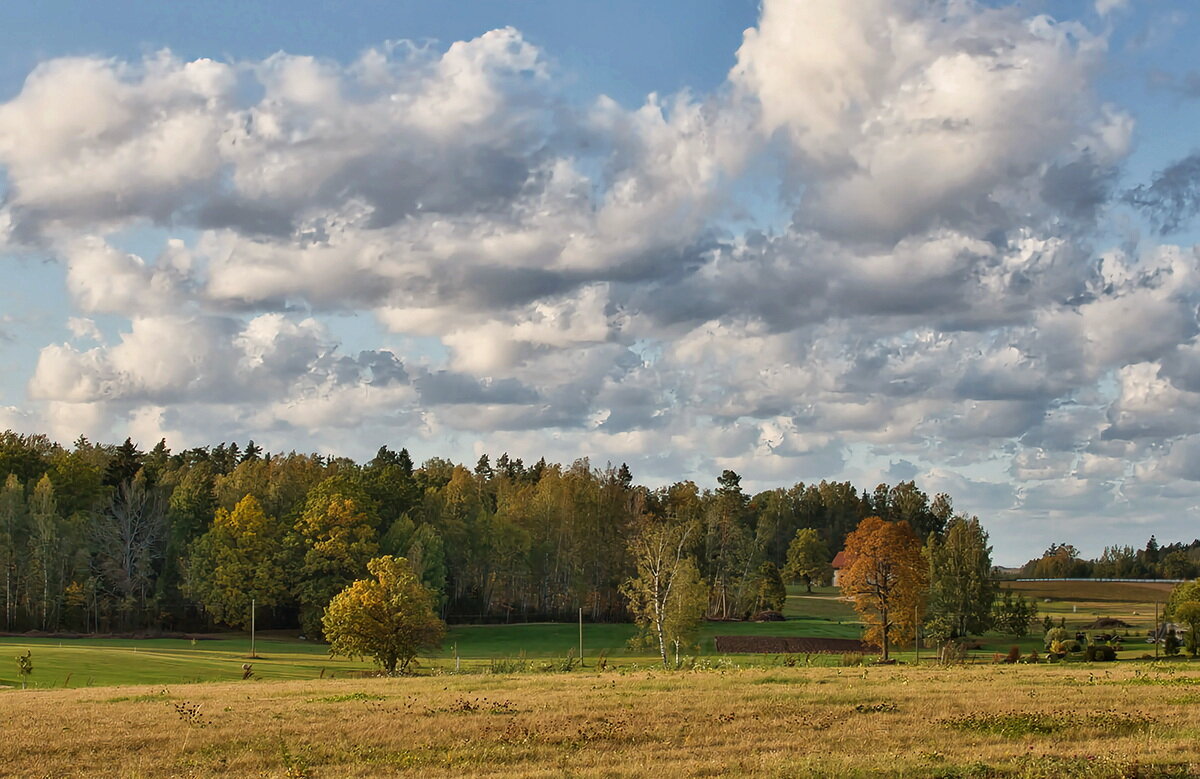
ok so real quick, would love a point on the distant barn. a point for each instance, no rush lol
(839, 562)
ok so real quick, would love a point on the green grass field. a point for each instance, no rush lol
(98, 662)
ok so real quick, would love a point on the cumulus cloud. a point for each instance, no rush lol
(902, 116)
(582, 276)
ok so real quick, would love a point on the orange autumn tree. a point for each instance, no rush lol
(887, 578)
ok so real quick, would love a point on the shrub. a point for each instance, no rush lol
(1014, 654)
(1100, 653)
(509, 665)
(1054, 635)
(1171, 643)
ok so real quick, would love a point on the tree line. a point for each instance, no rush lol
(109, 538)
(1154, 561)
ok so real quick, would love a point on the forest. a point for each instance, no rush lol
(110, 538)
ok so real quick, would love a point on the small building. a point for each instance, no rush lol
(1160, 636)
(839, 562)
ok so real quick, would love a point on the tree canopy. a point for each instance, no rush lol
(887, 578)
(388, 617)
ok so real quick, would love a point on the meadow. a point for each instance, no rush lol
(1123, 720)
(130, 707)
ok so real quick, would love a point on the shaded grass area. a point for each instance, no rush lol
(556, 639)
(95, 662)
(1036, 721)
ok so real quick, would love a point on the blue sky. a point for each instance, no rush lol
(870, 240)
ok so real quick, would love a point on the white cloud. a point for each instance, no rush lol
(1106, 7)
(905, 115)
(579, 278)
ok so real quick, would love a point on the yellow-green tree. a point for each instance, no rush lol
(338, 538)
(667, 597)
(887, 579)
(243, 556)
(769, 590)
(1184, 606)
(808, 558)
(388, 617)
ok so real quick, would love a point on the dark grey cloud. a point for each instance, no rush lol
(1172, 198)
(440, 388)
(1078, 189)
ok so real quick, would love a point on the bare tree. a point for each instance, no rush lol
(130, 535)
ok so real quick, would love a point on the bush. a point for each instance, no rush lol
(1054, 635)
(1099, 653)
(768, 616)
(509, 665)
(952, 652)
(1014, 654)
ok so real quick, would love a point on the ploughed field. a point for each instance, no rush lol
(1103, 720)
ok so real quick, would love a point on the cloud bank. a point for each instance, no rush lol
(546, 276)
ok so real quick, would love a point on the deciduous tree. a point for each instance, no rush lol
(1184, 606)
(242, 557)
(667, 597)
(769, 590)
(1013, 613)
(808, 559)
(129, 537)
(338, 537)
(887, 578)
(388, 617)
(960, 575)
(12, 526)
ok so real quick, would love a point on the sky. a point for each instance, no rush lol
(866, 240)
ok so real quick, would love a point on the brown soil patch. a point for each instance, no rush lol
(790, 645)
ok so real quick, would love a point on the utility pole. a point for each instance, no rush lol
(252, 603)
(916, 634)
(1156, 630)
(581, 636)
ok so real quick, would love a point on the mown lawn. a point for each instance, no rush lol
(90, 662)
(94, 662)
(822, 614)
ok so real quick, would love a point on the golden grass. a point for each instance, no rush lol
(1117, 720)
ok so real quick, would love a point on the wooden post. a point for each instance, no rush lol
(1156, 631)
(252, 609)
(581, 636)
(916, 634)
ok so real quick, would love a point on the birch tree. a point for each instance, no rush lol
(667, 597)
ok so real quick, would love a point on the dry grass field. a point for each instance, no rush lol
(1115, 720)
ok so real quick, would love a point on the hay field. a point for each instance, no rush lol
(1132, 719)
